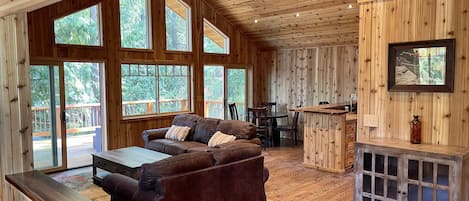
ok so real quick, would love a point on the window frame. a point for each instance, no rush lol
(190, 91)
(150, 33)
(227, 40)
(100, 28)
(189, 28)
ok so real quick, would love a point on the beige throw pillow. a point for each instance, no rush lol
(178, 133)
(220, 138)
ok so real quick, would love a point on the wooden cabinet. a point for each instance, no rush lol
(387, 169)
(329, 141)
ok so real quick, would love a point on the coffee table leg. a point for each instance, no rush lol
(96, 180)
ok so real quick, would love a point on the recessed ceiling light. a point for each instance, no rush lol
(350, 6)
(297, 15)
(256, 21)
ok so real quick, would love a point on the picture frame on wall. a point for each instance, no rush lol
(421, 66)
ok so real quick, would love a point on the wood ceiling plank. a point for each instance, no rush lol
(320, 22)
(9, 7)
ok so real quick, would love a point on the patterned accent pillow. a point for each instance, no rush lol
(220, 138)
(178, 133)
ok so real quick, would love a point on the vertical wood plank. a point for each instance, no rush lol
(444, 115)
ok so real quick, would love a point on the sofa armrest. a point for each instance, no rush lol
(120, 186)
(253, 141)
(152, 134)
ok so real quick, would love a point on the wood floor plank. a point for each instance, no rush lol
(289, 179)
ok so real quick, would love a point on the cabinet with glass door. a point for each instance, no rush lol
(392, 170)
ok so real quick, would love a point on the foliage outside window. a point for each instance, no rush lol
(178, 26)
(80, 28)
(215, 41)
(134, 24)
(154, 89)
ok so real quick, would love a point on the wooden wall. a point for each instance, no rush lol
(122, 132)
(15, 101)
(307, 76)
(444, 116)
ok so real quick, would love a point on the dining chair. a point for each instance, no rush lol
(256, 116)
(233, 111)
(292, 127)
(270, 106)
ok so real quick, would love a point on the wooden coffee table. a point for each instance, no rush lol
(126, 161)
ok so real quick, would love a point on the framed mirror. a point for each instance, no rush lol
(422, 66)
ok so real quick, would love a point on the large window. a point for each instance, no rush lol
(153, 89)
(135, 23)
(215, 41)
(80, 28)
(178, 26)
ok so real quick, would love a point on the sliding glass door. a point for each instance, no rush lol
(236, 90)
(83, 111)
(223, 86)
(46, 118)
(67, 114)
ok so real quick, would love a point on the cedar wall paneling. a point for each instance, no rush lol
(307, 76)
(15, 101)
(386, 114)
(122, 133)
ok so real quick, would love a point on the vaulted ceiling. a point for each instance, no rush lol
(294, 23)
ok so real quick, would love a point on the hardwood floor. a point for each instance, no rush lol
(289, 179)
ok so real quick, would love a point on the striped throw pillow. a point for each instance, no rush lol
(220, 138)
(178, 133)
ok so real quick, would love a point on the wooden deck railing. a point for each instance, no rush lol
(87, 117)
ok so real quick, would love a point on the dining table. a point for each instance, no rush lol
(272, 117)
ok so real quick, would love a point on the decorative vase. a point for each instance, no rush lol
(415, 130)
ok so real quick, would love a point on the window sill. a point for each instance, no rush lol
(216, 54)
(123, 49)
(60, 45)
(152, 116)
(178, 52)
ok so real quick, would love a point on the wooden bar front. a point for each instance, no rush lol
(329, 141)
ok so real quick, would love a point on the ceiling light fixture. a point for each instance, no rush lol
(350, 6)
(297, 15)
(256, 21)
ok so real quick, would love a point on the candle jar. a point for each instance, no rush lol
(415, 130)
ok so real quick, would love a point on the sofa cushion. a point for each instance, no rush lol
(203, 149)
(240, 129)
(159, 144)
(220, 138)
(178, 133)
(182, 147)
(205, 129)
(189, 120)
(152, 172)
(235, 151)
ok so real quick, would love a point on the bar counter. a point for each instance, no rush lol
(329, 137)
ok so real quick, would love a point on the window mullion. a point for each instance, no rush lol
(157, 83)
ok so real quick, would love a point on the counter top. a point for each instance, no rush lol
(405, 145)
(38, 187)
(324, 109)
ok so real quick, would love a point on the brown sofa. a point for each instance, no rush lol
(233, 172)
(200, 133)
